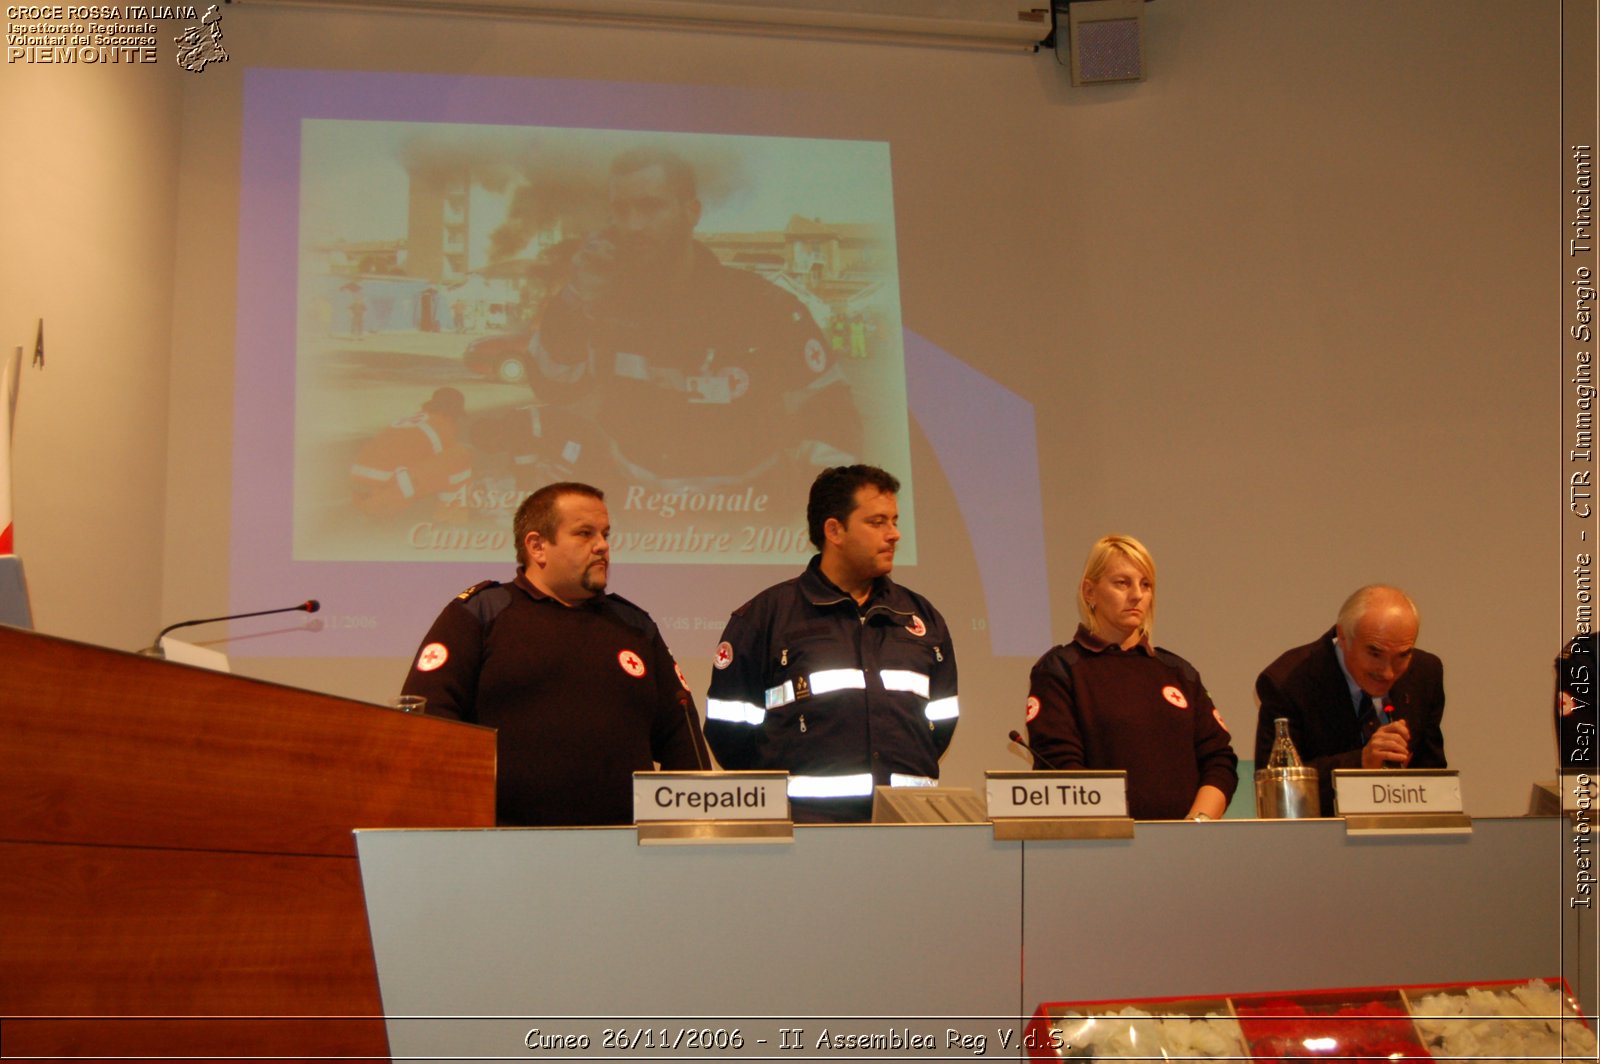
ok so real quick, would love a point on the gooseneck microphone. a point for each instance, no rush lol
(686, 704)
(154, 649)
(1037, 756)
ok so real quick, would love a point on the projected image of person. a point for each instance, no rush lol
(840, 675)
(417, 460)
(663, 366)
(650, 311)
(577, 681)
(1109, 699)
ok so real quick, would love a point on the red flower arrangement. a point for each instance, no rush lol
(1284, 1029)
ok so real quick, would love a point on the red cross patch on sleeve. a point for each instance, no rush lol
(816, 355)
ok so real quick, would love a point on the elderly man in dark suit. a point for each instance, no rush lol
(1361, 696)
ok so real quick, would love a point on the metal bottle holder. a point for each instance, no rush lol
(1287, 793)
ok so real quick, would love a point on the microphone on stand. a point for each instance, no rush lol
(154, 649)
(1037, 756)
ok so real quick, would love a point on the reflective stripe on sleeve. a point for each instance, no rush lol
(900, 779)
(943, 709)
(433, 435)
(905, 680)
(734, 712)
(857, 786)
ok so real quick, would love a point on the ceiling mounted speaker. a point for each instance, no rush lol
(1106, 40)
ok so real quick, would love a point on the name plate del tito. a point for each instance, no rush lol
(1057, 795)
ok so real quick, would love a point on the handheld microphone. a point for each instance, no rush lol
(1386, 716)
(1015, 737)
(154, 649)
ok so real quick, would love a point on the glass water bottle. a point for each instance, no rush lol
(1285, 787)
(1283, 755)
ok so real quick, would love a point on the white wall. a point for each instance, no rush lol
(89, 176)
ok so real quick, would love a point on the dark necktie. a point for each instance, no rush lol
(1367, 718)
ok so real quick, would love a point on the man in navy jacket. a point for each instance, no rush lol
(840, 676)
(1361, 696)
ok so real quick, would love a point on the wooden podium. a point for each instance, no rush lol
(177, 870)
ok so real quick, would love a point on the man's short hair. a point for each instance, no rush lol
(538, 512)
(833, 494)
(1356, 606)
(679, 174)
(1106, 550)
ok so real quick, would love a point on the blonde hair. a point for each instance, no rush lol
(1106, 550)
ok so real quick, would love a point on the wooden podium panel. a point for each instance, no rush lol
(100, 746)
(177, 869)
(111, 932)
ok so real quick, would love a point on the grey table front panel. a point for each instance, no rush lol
(944, 921)
(1240, 906)
(888, 921)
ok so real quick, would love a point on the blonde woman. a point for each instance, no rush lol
(1110, 699)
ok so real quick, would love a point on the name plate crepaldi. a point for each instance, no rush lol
(712, 807)
(1072, 804)
(1400, 801)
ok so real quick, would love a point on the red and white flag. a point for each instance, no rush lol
(10, 379)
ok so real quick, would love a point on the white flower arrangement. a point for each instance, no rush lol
(1530, 1022)
(1133, 1032)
